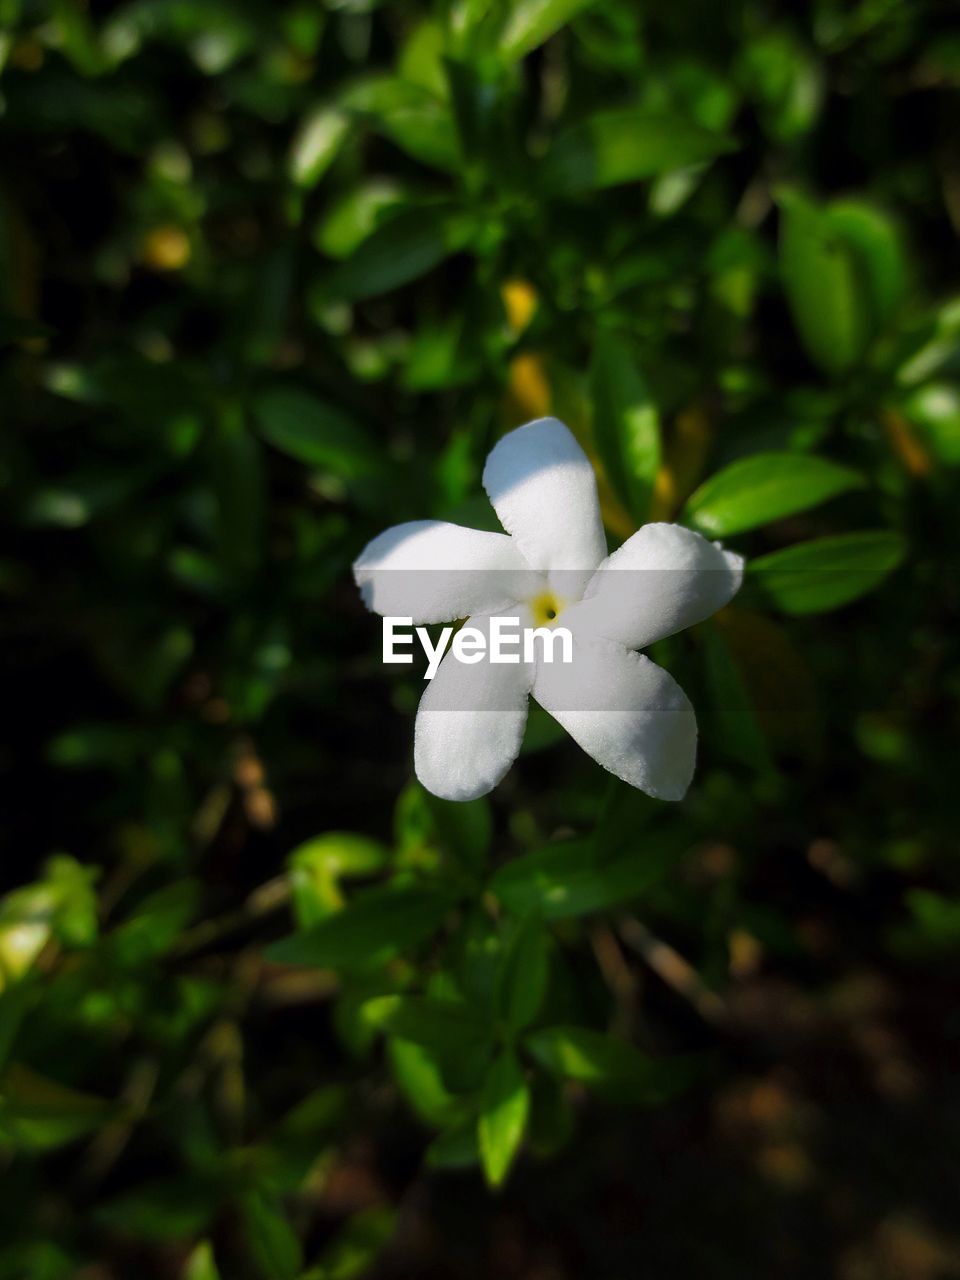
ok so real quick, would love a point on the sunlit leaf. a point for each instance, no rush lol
(531, 22)
(354, 217)
(504, 1108)
(626, 424)
(418, 1074)
(317, 866)
(934, 409)
(764, 487)
(315, 147)
(201, 1265)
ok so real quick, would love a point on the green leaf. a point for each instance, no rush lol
(414, 822)
(356, 1247)
(436, 1024)
(71, 886)
(421, 59)
(826, 573)
(542, 730)
(609, 1066)
(564, 880)
(402, 249)
(201, 1264)
(626, 425)
(62, 905)
(174, 1208)
(875, 241)
(425, 131)
(352, 218)
(477, 956)
(372, 927)
(154, 925)
(38, 1260)
(504, 1108)
(418, 1075)
(930, 347)
(15, 999)
(623, 819)
(303, 426)
(315, 147)
(415, 119)
(531, 22)
(934, 410)
(786, 81)
(86, 493)
(464, 827)
(77, 38)
(318, 865)
(625, 146)
(824, 285)
(739, 736)
(342, 853)
(938, 916)
(312, 1119)
(456, 1035)
(455, 1149)
(96, 746)
(767, 486)
(523, 974)
(486, 110)
(37, 1113)
(274, 1246)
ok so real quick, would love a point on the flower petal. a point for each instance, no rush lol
(432, 571)
(626, 712)
(470, 724)
(661, 580)
(544, 491)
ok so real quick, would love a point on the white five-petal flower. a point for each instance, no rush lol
(551, 568)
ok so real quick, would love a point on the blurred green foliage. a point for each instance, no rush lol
(275, 277)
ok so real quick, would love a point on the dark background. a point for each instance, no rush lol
(274, 277)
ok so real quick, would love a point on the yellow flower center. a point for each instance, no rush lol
(546, 609)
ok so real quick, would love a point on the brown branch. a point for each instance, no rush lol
(676, 972)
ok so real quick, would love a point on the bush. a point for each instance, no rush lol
(276, 277)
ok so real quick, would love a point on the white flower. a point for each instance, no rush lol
(551, 567)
